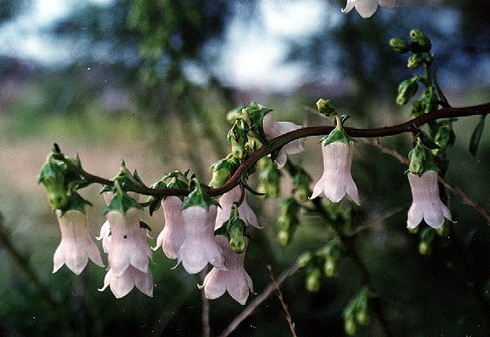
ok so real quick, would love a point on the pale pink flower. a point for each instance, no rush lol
(336, 181)
(273, 129)
(127, 245)
(199, 245)
(226, 201)
(366, 8)
(427, 204)
(172, 236)
(76, 246)
(235, 279)
(121, 285)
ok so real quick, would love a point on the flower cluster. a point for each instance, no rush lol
(198, 230)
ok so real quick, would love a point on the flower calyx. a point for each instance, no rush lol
(198, 197)
(235, 229)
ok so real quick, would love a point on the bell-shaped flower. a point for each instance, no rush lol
(172, 236)
(226, 201)
(273, 129)
(336, 181)
(234, 279)
(76, 246)
(127, 244)
(199, 245)
(427, 204)
(366, 8)
(121, 285)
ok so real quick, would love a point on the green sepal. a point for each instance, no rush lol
(155, 201)
(234, 114)
(428, 101)
(337, 135)
(415, 61)
(421, 159)
(476, 135)
(75, 203)
(222, 170)
(255, 113)
(445, 136)
(198, 198)
(121, 202)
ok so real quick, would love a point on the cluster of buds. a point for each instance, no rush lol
(324, 261)
(356, 312)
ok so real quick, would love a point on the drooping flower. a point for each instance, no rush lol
(76, 246)
(199, 245)
(234, 279)
(226, 201)
(121, 285)
(127, 245)
(427, 204)
(273, 129)
(336, 181)
(366, 8)
(172, 236)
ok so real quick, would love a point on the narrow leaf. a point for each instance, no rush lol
(476, 136)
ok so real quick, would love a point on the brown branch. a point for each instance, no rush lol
(404, 160)
(258, 300)
(289, 318)
(282, 140)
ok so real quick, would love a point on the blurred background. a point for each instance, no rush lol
(151, 82)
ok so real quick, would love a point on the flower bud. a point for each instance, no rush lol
(52, 176)
(421, 41)
(313, 280)
(302, 181)
(362, 317)
(350, 326)
(406, 90)
(237, 137)
(399, 45)
(415, 61)
(330, 267)
(325, 106)
(236, 232)
(444, 137)
(304, 259)
(428, 102)
(269, 179)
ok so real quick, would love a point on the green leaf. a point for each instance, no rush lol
(476, 136)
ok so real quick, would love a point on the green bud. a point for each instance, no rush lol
(232, 115)
(428, 102)
(254, 115)
(350, 326)
(222, 170)
(330, 267)
(424, 248)
(420, 159)
(421, 41)
(406, 90)
(313, 280)
(269, 178)
(362, 317)
(236, 232)
(325, 106)
(283, 237)
(52, 176)
(415, 61)
(399, 45)
(444, 137)
(304, 259)
(237, 137)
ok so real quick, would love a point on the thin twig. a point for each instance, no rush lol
(206, 326)
(404, 160)
(292, 326)
(376, 221)
(258, 300)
